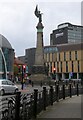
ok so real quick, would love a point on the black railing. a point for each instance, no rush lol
(28, 106)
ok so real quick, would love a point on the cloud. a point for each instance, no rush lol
(18, 22)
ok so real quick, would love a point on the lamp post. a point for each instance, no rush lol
(4, 62)
(23, 73)
(58, 60)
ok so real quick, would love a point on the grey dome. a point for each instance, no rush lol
(4, 42)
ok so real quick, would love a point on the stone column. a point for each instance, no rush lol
(39, 69)
(39, 58)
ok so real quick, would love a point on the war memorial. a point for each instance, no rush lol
(39, 69)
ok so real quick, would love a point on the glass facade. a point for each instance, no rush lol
(9, 58)
(50, 49)
(66, 33)
(0, 61)
(75, 34)
(6, 58)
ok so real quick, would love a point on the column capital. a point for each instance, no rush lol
(40, 26)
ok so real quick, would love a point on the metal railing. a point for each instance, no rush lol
(28, 106)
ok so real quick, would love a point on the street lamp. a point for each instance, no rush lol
(23, 73)
(4, 62)
(57, 62)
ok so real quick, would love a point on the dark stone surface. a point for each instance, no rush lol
(38, 70)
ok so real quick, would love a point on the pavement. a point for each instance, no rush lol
(68, 109)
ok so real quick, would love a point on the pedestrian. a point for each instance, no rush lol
(24, 84)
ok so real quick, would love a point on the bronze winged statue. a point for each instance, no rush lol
(38, 14)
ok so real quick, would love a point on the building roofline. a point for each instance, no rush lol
(70, 24)
(68, 47)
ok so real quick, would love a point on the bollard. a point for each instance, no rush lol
(55, 83)
(35, 103)
(57, 92)
(41, 84)
(70, 90)
(66, 83)
(49, 83)
(44, 97)
(77, 90)
(32, 83)
(63, 91)
(81, 82)
(51, 95)
(17, 106)
(74, 82)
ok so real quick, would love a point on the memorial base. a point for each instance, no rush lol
(38, 73)
(38, 77)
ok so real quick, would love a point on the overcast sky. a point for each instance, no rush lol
(18, 22)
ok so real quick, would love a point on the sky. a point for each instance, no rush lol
(18, 21)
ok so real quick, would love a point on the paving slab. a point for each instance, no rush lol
(70, 108)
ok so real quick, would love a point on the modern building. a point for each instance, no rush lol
(66, 33)
(63, 57)
(65, 60)
(29, 58)
(6, 58)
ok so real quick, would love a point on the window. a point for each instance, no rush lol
(70, 55)
(57, 66)
(66, 66)
(59, 56)
(51, 67)
(61, 66)
(72, 66)
(75, 55)
(54, 64)
(9, 83)
(64, 56)
(4, 82)
(78, 67)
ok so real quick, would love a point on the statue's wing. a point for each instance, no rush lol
(36, 11)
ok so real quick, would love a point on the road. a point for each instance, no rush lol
(30, 89)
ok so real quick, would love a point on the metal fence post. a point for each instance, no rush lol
(66, 82)
(70, 90)
(55, 83)
(44, 97)
(77, 90)
(51, 95)
(57, 92)
(41, 83)
(49, 82)
(63, 91)
(32, 83)
(74, 83)
(17, 106)
(35, 103)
